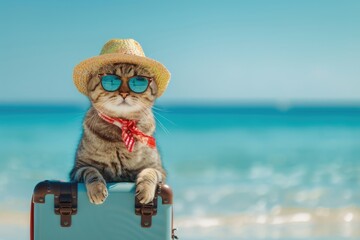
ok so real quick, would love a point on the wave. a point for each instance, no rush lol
(278, 223)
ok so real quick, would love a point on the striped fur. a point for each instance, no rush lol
(101, 155)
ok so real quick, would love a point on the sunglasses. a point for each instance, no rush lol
(137, 84)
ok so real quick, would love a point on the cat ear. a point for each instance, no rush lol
(153, 88)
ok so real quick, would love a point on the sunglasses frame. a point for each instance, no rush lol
(150, 79)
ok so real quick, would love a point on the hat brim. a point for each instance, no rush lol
(82, 71)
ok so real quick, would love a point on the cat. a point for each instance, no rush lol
(102, 155)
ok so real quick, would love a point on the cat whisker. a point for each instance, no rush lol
(159, 108)
(79, 115)
(91, 119)
(162, 126)
(165, 118)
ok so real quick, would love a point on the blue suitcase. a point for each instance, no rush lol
(61, 210)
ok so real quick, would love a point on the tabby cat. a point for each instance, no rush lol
(102, 155)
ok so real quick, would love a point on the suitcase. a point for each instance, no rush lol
(61, 210)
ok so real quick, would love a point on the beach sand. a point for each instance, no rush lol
(277, 224)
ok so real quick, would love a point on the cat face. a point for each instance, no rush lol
(122, 102)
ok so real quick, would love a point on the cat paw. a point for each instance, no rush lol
(145, 191)
(97, 192)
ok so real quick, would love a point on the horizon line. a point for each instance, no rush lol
(196, 108)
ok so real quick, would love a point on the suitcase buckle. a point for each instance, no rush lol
(146, 211)
(65, 211)
(65, 216)
(65, 204)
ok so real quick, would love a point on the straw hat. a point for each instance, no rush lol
(120, 51)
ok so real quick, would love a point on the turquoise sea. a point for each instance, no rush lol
(238, 172)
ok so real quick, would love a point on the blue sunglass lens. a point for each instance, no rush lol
(138, 84)
(110, 82)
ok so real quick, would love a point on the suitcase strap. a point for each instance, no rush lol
(65, 203)
(65, 198)
(146, 211)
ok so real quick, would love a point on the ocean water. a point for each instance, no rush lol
(237, 172)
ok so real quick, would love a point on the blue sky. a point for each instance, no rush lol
(217, 51)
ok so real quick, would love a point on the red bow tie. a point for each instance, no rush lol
(129, 132)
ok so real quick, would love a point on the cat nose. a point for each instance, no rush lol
(124, 94)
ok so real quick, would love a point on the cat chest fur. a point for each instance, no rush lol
(117, 164)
